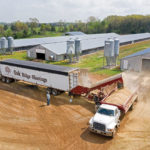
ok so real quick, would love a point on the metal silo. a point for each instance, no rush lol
(109, 48)
(10, 44)
(77, 48)
(3, 42)
(116, 46)
(70, 49)
(109, 51)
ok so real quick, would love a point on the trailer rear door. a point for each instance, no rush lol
(73, 80)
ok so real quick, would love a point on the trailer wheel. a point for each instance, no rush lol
(7, 80)
(3, 79)
(55, 92)
(49, 90)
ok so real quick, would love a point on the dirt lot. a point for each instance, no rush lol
(27, 123)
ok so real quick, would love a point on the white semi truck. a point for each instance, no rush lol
(55, 78)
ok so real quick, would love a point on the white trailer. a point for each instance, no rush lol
(55, 78)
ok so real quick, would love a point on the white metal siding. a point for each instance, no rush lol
(125, 64)
(134, 63)
(28, 54)
(56, 81)
(40, 51)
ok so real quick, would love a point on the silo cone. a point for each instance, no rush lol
(114, 60)
(108, 60)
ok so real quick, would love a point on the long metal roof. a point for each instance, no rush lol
(145, 51)
(53, 40)
(39, 66)
(133, 37)
(75, 33)
(90, 41)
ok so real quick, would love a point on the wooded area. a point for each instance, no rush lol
(118, 24)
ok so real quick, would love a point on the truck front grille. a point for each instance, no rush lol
(99, 126)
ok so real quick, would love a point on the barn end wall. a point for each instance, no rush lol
(48, 53)
(134, 64)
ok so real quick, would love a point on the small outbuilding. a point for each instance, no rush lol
(138, 62)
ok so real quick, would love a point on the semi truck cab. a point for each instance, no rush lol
(106, 120)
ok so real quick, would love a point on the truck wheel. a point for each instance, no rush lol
(114, 133)
(55, 92)
(118, 125)
(3, 79)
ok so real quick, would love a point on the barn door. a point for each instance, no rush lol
(146, 65)
(73, 80)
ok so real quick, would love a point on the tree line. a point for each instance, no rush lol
(119, 24)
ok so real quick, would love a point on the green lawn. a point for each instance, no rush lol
(93, 62)
(16, 55)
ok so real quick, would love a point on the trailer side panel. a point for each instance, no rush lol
(57, 81)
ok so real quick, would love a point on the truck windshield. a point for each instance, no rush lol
(106, 112)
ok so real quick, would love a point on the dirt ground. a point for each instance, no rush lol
(26, 123)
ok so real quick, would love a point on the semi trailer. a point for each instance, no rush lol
(56, 78)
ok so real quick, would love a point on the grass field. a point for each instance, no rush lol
(21, 55)
(93, 62)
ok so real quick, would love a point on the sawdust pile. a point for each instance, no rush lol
(119, 97)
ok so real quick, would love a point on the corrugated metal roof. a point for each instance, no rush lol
(75, 33)
(57, 48)
(53, 40)
(138, 53)
(133, 37)
(87, 42)
(90, 41)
